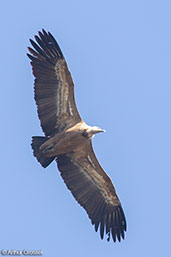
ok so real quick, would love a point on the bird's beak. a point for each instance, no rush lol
(100, 130)
(94, 130)
(103, 130)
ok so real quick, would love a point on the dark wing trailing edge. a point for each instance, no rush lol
(94, 191)
(53, 86)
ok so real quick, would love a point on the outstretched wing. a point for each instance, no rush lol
(53, 85)
(94, 191)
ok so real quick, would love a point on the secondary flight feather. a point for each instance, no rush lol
(68, 139)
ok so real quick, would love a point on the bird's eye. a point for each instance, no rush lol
(85, 134)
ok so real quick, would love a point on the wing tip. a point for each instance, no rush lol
(115, 223)
(46, 46)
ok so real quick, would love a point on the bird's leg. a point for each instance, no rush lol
(47, 148)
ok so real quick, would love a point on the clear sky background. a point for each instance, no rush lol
(119, 54)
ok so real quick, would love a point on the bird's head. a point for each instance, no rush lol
(91, 131)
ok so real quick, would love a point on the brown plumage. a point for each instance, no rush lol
(69, 140)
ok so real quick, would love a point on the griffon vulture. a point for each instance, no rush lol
(68, 140)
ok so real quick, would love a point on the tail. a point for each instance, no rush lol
(36, 143)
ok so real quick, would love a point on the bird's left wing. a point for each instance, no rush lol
(94, 191)
(53, 85)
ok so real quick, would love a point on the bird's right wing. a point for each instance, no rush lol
(53, 85)
(94, 191)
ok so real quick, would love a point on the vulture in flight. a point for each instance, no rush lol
(68, 139)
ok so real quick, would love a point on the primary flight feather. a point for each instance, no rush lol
(68, 140)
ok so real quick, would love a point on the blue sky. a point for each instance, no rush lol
(119, 54)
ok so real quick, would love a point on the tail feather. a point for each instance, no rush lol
(36, 143)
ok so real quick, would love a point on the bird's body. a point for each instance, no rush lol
(74, 139)
(69, 140)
